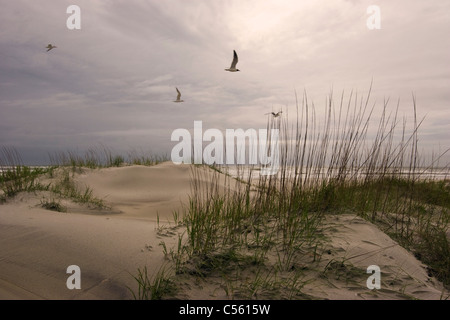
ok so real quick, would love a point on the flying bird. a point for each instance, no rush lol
(275, 115)
(178, 96)
(233, 63)
(50, 47)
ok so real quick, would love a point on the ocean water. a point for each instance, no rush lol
(243, 172)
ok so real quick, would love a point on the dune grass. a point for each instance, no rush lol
(260, 230)
(153, 287)
(15, 177)
(53, 205)
(103, 157)
(65, 187)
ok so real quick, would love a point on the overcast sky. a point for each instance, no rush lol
(112, 82)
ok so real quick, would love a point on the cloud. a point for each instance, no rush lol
(113, 81)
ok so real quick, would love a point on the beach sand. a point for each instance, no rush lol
(37, 245)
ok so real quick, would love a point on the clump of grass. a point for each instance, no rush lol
(103, 157)
(116, 161)
(178, 256)
(146, 159)
(261, 284)
(53, 205)
(433, 248)
(66, 187)
(154, 288)
(15, 177)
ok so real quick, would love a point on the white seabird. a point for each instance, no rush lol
(178, 96)
(50, 47)
(233, 63)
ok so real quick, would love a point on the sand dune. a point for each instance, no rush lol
(37, 245)
(147, 192)
(356, 241)
(141, 191)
